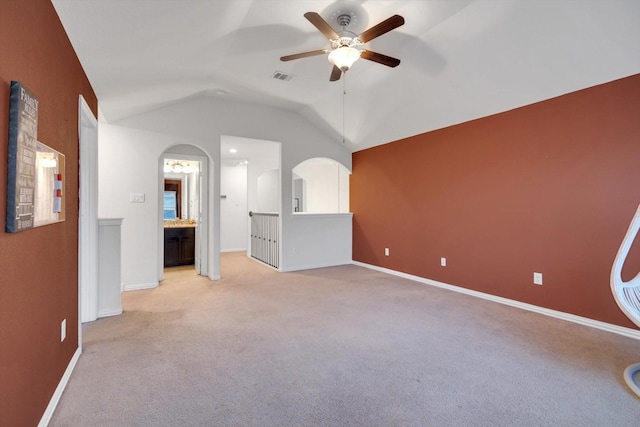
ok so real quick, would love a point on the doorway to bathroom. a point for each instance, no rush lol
(183, 210)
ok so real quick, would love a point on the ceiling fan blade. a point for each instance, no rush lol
(336, 73)
(380, 58)
(321, 25)
(303, 55)
(384, 27)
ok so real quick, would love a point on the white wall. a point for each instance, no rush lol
(129, 154)
(257, 167)
(269, 192)
(125, 169)
(130, 162)
(233, 207)
(343, 188)
(192, 197)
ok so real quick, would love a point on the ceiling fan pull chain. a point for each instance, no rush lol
(344, 94)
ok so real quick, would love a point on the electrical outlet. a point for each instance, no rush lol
(386, 251)
(443, 262)
(63, 330)
(537, 278)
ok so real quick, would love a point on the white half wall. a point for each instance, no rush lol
(318, 240)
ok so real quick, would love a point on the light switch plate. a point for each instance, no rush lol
(136, 197)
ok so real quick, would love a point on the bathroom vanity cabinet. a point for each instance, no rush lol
(179, 246)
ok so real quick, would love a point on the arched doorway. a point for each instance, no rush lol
(184, 209)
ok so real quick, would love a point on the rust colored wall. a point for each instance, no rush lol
(39, 267)
(550, 188)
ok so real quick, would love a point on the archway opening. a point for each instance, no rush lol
(183, 209)
(320, 185)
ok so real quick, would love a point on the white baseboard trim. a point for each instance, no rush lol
(55, 399)
(109, 313)
(233, 250)
(620, 330)
(310, 266)
(140, 286)
(263, 263)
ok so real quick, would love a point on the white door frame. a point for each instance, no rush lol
(88, 217)
(202, 245)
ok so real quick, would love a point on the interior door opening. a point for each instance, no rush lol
(183, 225)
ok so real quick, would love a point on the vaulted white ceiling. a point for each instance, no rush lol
(461, 59)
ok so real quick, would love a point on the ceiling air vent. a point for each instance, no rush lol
(279, 75)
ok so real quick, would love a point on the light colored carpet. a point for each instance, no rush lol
(341, 346)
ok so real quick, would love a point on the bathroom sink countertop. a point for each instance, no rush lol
(179, 223)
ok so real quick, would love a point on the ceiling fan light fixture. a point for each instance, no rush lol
(344, 57)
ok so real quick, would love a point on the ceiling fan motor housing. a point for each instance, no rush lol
(344, 20)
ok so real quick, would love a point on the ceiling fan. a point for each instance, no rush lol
(343, 52)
